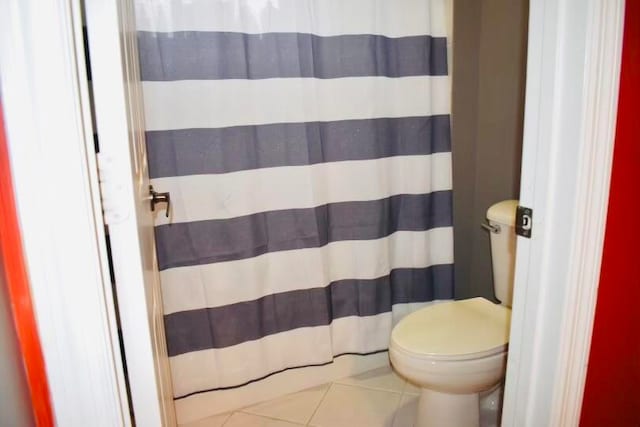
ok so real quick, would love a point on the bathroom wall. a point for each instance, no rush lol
(612, 389)
(489, 58)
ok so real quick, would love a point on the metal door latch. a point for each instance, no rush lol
(524, 221)
(159, 198)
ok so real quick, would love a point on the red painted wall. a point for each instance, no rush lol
(612, 393)
(18, 286)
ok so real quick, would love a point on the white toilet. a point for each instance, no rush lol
(458, 349)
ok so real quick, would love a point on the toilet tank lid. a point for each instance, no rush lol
(503, 212)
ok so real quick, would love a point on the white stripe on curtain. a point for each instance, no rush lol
(216, 285)
(188, 104)
(242, 193)
(397, 18)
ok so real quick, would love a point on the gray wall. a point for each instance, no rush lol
(15, 404)
(489, 59)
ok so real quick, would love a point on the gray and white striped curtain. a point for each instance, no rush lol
(306, 146)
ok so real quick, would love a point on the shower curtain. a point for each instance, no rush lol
(306, 147)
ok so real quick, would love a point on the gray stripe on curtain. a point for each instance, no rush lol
(204, 242)
(207, 151)
(200, 55)
(237, 323)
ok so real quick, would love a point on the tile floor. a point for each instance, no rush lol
(377, 398)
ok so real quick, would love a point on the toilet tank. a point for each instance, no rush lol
(503, 248)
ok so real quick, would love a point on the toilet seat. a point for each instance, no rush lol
(457, 330)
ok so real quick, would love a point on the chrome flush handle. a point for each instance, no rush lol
(491, 228)
(159, 198)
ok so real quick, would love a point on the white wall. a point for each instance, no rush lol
(15, 405)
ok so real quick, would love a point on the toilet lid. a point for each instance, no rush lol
(455, 328)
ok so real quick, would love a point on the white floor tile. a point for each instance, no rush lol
(215, 421)
(240, 419)
(348, 406)
(295, 407)
(380, 379)
(406, 413)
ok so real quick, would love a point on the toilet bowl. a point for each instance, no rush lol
(465, 355)
(456, 350)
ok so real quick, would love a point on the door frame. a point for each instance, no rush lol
(573, 70)
(44, 91)
(124, 180)
(571, 101)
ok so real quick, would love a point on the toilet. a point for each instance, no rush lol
(456, 350)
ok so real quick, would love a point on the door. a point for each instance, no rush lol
(571, 97)
(124, 180)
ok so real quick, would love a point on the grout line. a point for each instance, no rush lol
(382, 390)
(277, 419)
(371, 388)
(395, 413)
(228, 418)
(320, 402)
(368, 387)
(272, 417)
(404, 383)
(365, 388)
(268, 417)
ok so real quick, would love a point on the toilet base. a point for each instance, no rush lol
(437, 409)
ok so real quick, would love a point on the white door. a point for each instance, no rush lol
(122, 166)
(573, 68)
